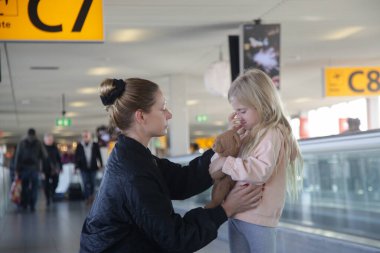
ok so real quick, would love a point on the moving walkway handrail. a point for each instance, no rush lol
(343, 142)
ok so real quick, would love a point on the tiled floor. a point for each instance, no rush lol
(55, 229)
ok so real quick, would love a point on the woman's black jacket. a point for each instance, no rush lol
(133, 211)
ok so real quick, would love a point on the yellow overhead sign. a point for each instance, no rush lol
(51, 20)
(352, 81)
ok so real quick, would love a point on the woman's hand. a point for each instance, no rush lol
(242, 198)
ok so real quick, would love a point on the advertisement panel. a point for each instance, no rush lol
(261, 49)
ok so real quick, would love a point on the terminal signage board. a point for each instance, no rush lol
(352, 81)
(51, 20)
(260, 48)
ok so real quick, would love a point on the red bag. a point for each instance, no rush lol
(16, 191)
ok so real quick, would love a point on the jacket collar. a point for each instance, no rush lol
(128, 144)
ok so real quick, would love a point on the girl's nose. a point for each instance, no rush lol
(169, 115)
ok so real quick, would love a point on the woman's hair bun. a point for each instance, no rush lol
(110, 95)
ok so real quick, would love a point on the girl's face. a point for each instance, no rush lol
(248, 116)
(156, 123)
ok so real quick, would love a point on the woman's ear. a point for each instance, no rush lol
(139, 116)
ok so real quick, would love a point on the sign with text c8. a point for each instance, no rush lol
(351, 81)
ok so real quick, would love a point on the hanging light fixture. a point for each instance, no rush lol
(217, 77)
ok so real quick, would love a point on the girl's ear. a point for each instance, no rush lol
(139, 116)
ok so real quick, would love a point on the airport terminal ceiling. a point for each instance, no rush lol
(161, 39)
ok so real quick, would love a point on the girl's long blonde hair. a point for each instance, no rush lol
(255, 89)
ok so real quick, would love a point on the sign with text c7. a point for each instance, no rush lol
(51, 20)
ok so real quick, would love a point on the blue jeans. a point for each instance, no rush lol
(88, 178)
(245, 237)
(29, 179)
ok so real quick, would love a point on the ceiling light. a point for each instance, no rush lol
(25, 101)
(311, 18)
(44, 68)
(192, 102)
(219, 123)
(99, 71)
(67, 134)
(302, 100)
(57, 130)
(88, 90)
(63, 141)
(78, 104)
(294, 57)
(71, 114)
(128, 35)
(217, 77)
(344, 33)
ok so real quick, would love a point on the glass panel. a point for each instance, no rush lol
(341, 193)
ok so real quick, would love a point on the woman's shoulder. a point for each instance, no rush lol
(130, 164)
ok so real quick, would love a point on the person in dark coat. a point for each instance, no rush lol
(52, 168)
(30, 154)
(87, 160)
(133, 211)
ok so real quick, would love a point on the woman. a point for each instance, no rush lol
(133, 211)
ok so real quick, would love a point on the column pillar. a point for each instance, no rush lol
(373, 111)
(179, 133)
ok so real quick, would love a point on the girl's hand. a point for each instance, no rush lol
(233, 121)
(241, 132)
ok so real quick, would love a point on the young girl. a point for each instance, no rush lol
(269, 154)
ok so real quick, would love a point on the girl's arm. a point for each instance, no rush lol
(217, 163)
(259, 166)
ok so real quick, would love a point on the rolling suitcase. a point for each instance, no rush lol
(75, 191)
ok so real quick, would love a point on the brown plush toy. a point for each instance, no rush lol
(226, 144)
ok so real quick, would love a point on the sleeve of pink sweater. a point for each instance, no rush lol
(260, 164)
(217, 163)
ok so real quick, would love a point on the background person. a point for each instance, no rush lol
(353, 125)
(29, 155)
(52, 167)
(87, 160)
(133, 211)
